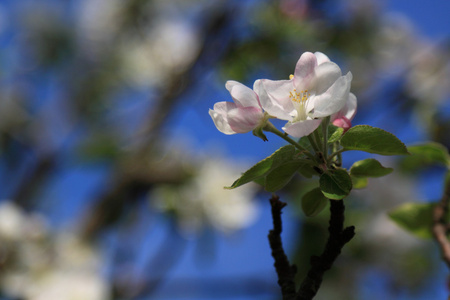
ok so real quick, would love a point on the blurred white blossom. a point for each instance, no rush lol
(38, 265)
(382, 196)
(394, 44)
(11, 221)
(401, 51)
(98, 23)
(163, 45)
(204, 201)
(166, 49)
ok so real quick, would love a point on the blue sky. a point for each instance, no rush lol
(246, 253)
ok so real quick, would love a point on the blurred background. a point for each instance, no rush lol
(111, 169)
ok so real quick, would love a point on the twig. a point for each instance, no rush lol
(440, 225)
(319, 264)
(285, 271)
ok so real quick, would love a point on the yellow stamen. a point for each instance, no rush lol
(301, 97)
(291, 76)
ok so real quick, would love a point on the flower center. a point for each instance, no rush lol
(299, 99)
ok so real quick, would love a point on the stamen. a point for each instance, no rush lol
(301, 97)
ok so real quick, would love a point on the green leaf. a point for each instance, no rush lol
(313, 202)
(417, 218)
(372, 140)
(280, 176)
(307, 171)
(334, 133)
(359, 182)
(281, 156)
(304, 142)
(254, 173)
(369, 168)
(335, 184)
(430, 153)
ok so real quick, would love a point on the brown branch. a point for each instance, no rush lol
(338, 237)
(440, 224)
(285, 271)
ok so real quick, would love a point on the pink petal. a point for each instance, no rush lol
(242, 95)
(304, 70)
(219, 116)
(321, 58)
(230, 84)
(342, 122)
(302, 128)
(244, 119)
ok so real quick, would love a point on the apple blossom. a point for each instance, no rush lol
(315, 91)
(243, 115)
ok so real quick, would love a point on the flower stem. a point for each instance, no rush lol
(313, 143)
(324, 125)
(270, 128)
(338, 152)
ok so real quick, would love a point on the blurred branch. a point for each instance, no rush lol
(285, 271)
(124, 189)
(211, 50)
(440, 224)
(338, 237)
(44, 166)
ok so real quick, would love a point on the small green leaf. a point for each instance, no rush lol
(417, 218)
(335, 184)
(372, 140)
(280, 176)
(369, 168)
(359, 182)
(335, 133)
(254, 173)
(262, 168)
(313, 202)
(430, 153)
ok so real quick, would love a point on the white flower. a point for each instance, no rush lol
(241, 116)
(203, 201)
(316, 90)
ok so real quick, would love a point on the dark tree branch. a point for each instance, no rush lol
(285, 271)
(338, 237)
(440, 224)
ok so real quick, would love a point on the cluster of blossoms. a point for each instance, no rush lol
(317, 90)
(41, 265)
